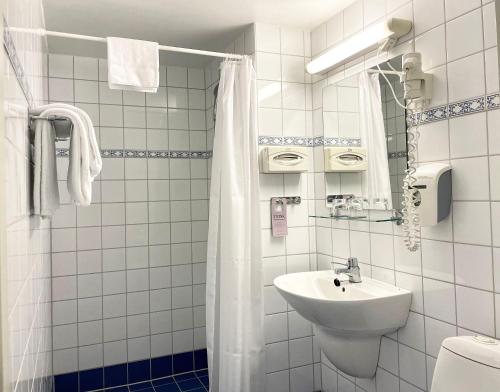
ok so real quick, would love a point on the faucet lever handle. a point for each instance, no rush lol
(352, 262)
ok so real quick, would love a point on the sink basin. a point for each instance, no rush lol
(350, 319)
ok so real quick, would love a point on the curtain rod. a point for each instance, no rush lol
(100, 39)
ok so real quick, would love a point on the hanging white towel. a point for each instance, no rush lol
(133, 64)
(85, 161)
(45, 189)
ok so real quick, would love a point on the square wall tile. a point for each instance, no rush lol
(475, 310)
(268, 66)
(267, 38)
(86, 68)
(464, 35)
(470, 179)
(473, 266)
(439, 299)
(466, 77)
(60, 66)
(456, 8)
(292, 42)
(471, 222)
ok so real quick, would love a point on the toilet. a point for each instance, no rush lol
(467, 364)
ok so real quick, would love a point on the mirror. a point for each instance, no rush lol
(364, 133)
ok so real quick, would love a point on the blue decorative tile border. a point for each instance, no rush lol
(397, 154)
(338, 141)
(160, 154)
(285, 141)
(10, 48)
(307, 141)
(493, 101)
(263, 141)
(455, 109)
(466, 107)
(132, 372)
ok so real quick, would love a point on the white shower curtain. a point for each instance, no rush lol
(376, 180)
(234, 308)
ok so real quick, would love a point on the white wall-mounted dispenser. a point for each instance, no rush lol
(345, 159)
(432, 192)
(280, 159)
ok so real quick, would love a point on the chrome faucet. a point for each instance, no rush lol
(352, 270)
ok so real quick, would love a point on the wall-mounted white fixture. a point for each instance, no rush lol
(345, 159)
(279, 159)
(432, 192)
(417, 84)
(350, 318)
(386, 33)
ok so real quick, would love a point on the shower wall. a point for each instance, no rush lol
(454, 276)
(128, 272)
(24, 238)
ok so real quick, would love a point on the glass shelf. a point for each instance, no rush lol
(361, 218)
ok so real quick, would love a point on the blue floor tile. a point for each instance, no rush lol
(204, 380)
(140, 386)
(194, 381)
(163, 381)
(201, 373)
(189, 385)
(167, 388)
(185, 376)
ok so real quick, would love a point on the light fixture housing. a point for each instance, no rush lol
(376, 34)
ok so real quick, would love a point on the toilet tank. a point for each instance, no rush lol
(467, 364)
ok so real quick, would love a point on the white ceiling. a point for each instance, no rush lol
(199, 24)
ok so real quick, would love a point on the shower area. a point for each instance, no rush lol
(129, 271)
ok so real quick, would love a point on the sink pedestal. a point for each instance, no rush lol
(354, 355)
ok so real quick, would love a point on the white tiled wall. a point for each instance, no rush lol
(284, 109)
(452, 275)
(128, 272)
(25, 258)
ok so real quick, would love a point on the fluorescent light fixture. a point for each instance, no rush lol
(371, 36)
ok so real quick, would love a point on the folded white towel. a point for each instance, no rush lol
(85, 161)
(133, 64)
(45, 189)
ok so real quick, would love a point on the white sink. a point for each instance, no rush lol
(349, 319)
